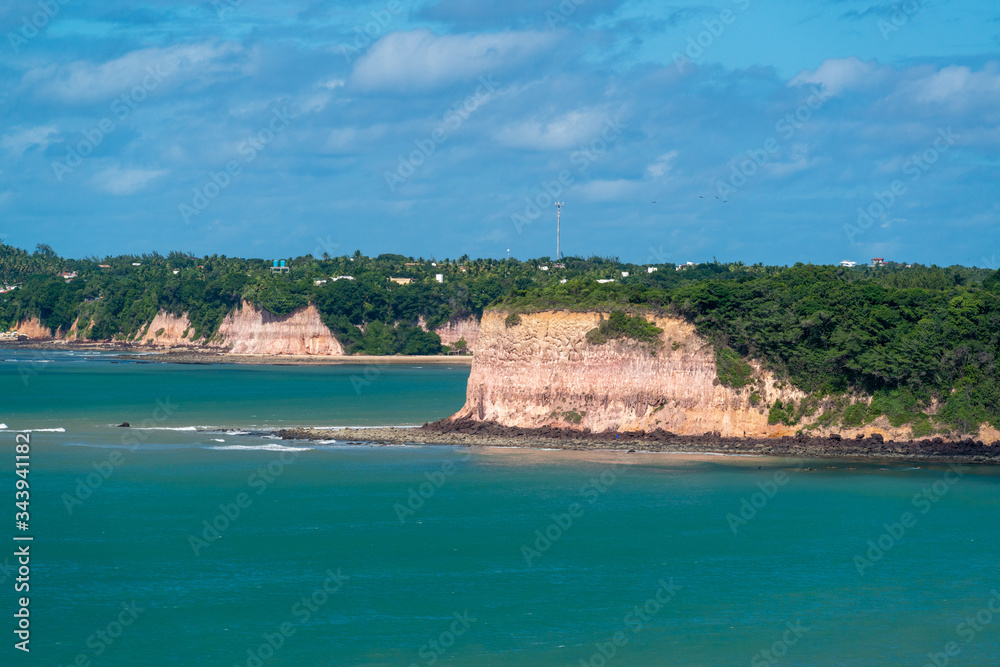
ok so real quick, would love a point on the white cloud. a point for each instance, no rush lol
(955, 84)
(350, 139)
(83, 81)
(838, 74)
(21, 139)
(609, 190)
(569, 130)
(663, 165)
(420, 59)
(118, 181)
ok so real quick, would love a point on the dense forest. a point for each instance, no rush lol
(923, 342)
(116, 297)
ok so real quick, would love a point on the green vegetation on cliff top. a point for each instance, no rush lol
(909, 338)
(912, 338)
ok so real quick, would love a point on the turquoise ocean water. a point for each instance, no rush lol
(214, 546)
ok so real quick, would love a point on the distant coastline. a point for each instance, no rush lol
(195, 356)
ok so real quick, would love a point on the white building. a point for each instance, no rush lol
(651, 269)
(848, 263)
(624, 274)
(439, 277)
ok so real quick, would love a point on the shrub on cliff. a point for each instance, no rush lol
(732, 370)
(512, 320)
(622, 325)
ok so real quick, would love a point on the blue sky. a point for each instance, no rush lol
(811, 131)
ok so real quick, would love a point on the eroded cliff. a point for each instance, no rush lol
(247, 330)
(452, 332)
(168, 330)
(250, 330)
(543, 372)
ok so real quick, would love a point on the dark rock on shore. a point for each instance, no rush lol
(488, 434)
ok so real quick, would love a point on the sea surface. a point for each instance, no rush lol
(194, 538)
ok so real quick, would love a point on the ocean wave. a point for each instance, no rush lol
(217, 440)
(2, 426)
(42, 430)
(272, 447)
(168, 428)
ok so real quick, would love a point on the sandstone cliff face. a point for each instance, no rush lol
(543, 372)
(33, 329)
(168, 330)
(252, 331)
(466, 328)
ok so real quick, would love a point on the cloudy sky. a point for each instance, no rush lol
(772, 132)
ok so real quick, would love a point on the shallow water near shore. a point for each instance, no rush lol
(441, 555)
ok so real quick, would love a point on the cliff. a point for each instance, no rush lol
(543, 372)
(33, 329)
(467, 328)
(168, 330)
(249, 330)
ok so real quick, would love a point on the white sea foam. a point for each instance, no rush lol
(217, 440)
(3, 426)
(42, 430)
(169, 428)
(272, 447)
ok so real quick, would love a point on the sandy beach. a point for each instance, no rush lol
(208, 356)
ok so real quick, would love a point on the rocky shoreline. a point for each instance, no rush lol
(484, 434)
